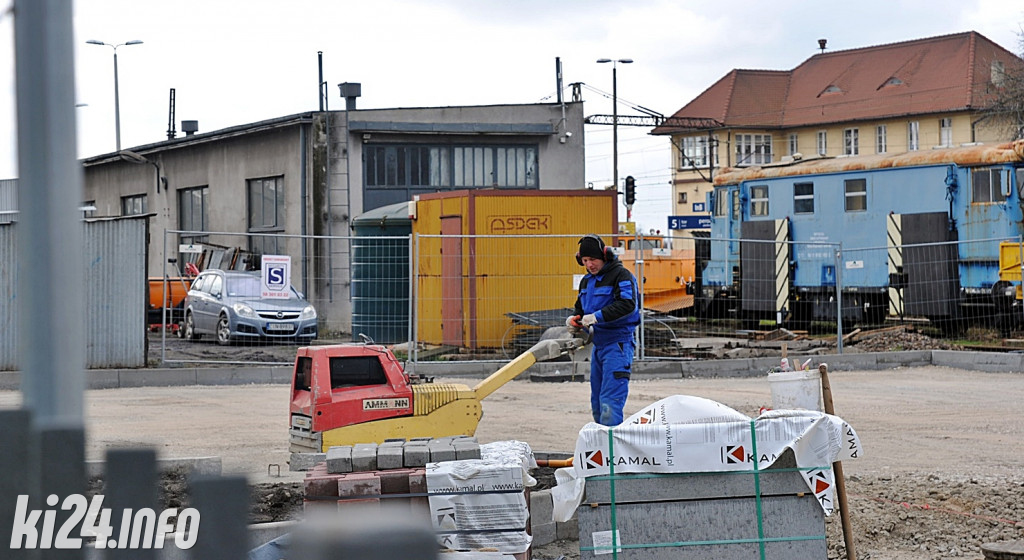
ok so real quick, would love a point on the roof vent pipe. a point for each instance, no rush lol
(189, 127)
(350, 91)
(822, 43)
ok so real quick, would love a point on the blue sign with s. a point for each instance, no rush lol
(689, 222)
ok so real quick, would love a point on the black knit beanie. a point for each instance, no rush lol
(592, 247)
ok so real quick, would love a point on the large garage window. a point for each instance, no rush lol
(409, 166)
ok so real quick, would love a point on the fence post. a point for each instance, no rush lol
(638, 251)
(414, 253)
(839, 299)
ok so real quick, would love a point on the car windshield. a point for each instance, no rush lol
(249, 287)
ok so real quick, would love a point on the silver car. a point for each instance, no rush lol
(227, 304)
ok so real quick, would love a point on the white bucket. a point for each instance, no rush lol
(796, 389)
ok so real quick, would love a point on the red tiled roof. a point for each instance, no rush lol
(932, 75)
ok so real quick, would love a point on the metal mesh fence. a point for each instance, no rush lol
(491, 297)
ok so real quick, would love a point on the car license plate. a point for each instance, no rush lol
(285, 327)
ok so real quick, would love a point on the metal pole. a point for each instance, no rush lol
(839, 299)
(50, 228)
(117, 107)
(615, 134)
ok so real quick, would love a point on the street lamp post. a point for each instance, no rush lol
(615, 122)
(117, 101)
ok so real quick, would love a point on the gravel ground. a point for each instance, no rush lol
(942, 472)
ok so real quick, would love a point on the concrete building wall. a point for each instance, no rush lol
(319, 155)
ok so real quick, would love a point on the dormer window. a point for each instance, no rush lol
(831, 89)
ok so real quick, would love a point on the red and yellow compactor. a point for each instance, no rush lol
(359, 393)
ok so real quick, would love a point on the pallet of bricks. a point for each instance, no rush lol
(473, 496)
(690, 479)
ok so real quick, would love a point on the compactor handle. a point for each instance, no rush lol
(540, 352)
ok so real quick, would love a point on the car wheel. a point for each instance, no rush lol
(190, 328)
(223, 331)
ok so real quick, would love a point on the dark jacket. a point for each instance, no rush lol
(611, 295)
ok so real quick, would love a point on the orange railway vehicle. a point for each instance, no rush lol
(668, 274)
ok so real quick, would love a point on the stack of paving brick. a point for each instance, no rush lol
(389, 474)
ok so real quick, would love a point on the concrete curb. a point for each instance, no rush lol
(551, 371)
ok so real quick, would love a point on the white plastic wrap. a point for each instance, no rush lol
(683, 433)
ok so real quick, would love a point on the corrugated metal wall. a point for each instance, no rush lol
(8, 200)
(115, 294)
(8, 279)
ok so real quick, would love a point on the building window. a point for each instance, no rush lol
(88, 210)
(881, 144)
(753, 149)
(851, 141)
(410, 166)
(266, 214)
(759, 200)
(856, 195)
(682, 197)
(721, 203)
(133, 205)
(946, 132)
(822, 142)
(793, 148)
(913, 135)
(986, 186)
(193, 212)
(803, 198)
(693, 152)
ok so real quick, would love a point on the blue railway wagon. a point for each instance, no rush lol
(919, 235)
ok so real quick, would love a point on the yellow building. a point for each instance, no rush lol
(899, 97)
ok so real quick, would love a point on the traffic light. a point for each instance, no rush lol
(630, 190)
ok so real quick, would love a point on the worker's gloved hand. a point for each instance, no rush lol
(573, 322)
(588, 319)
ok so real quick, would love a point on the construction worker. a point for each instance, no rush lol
(608, 304)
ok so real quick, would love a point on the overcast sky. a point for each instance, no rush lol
(233, 62)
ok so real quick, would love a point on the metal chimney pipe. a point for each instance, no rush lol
(350, 91)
